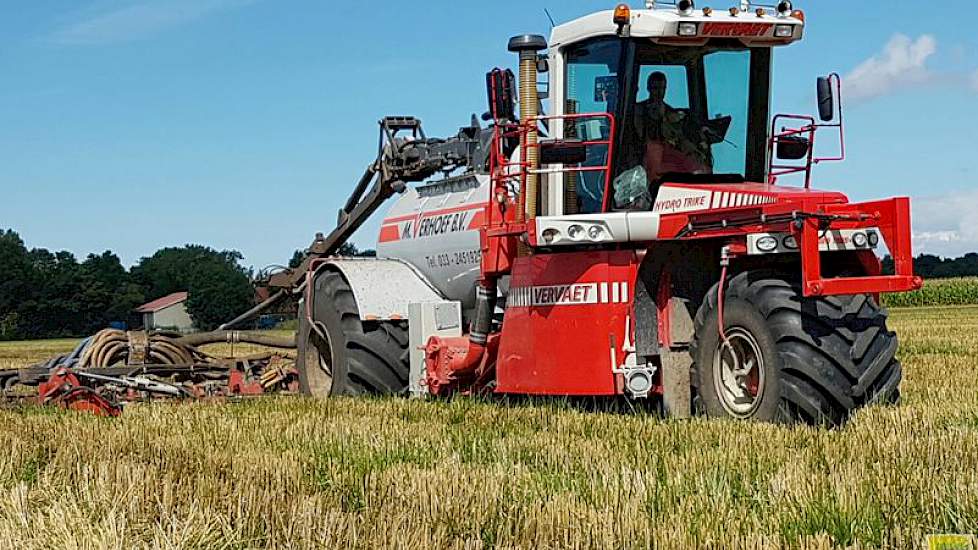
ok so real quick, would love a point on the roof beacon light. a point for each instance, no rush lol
(686, 7)
(623, 14)
(761, 12)
(734, 12)
(707, 11)
(784, 8)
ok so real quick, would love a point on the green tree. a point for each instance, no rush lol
(218, 294)
(51, 307)
(107, 294)
(929, 266)
(15, 281)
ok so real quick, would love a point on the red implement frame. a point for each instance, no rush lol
(64, 389)
(891, 216)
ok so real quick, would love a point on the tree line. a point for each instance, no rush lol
(46, 294)
(933, 267)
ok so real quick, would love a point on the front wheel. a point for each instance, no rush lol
(787, 358)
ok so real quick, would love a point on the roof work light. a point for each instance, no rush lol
(623, 14)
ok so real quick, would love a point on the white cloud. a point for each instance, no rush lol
(947, 225)
(139, 20)
(901, 64)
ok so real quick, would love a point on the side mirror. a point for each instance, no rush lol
(501, 90)
(793, 148)
(826, 99)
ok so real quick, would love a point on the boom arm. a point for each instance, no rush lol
(405, 155)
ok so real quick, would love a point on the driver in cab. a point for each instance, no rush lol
(668, 146)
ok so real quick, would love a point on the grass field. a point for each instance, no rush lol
(408, 474)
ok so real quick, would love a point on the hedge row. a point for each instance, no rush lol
(939, 292)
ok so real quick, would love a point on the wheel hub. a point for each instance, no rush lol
(738, 373)
(319, 356)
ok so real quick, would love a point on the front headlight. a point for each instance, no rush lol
(874, 238)
(767, 244)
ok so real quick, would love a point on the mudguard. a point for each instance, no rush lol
(383, 288)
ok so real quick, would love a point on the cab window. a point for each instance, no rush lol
(592, 87)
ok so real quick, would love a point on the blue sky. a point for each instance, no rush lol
(135, 124)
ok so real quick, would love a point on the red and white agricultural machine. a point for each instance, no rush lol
(631, 239)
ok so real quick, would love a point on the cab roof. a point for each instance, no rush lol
(663, 25)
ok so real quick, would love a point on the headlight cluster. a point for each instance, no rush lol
(577, 232)
(828, 241)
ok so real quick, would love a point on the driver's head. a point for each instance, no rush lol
(657, 86)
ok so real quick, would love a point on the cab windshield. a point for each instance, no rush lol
(685, 114)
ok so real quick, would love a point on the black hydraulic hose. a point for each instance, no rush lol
(485, 306)
(359, 190)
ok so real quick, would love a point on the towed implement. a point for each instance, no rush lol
(114, 367)
(631, 233)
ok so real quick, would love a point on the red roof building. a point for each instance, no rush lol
(162, 303)
(168, 312)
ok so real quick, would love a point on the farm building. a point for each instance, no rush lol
(168, 312)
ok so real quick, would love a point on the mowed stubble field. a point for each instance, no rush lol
(298, 473)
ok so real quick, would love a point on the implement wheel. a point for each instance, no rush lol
(791, 359)
(347, 356)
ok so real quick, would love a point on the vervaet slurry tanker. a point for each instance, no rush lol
(629, 234)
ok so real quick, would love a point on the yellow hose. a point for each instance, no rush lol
(529, 109)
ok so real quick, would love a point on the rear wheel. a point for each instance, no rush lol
(343, 355)
(787, 358)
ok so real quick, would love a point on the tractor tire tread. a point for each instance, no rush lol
(835, 354)
(375, 352)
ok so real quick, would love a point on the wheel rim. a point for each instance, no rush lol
(738, 373)
(319, 364)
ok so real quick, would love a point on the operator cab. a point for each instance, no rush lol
(689, 93)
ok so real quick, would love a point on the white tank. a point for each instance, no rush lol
(435, 228)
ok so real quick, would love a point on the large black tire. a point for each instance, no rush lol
(356, 357)
(822, 358)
